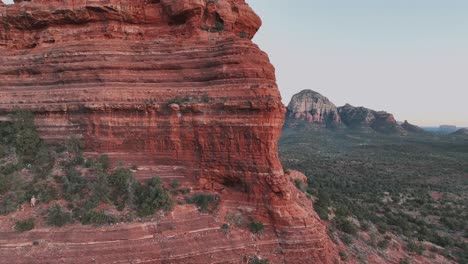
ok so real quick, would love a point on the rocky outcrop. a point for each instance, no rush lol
(178, 89)
(413, 128)
(364, 118)
(310, 107)
(461, 132)
(314, 108)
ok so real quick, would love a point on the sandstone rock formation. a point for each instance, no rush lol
(313, 107)
(177, 88)
(364, 118)
(412, 128)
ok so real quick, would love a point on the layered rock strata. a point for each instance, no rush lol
(413, 128)
(178, 89)
(315, 110)
(364, 118)
(313, 107)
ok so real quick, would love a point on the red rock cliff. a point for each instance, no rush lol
(177, 88)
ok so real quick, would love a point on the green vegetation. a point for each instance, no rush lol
(345, 225)
(219, 26)
(26, 140)
(204, 202)
(98, 218)
(57, 216)
(257, 260)
(404, 261)
(343, 256)
(243, 35)
(26, 163)
(414, 186)
(25, 225)
(236, 219)
(225, 228)
(299, 185)
(256, 227)
(152, 197)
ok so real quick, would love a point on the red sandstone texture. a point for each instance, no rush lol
(177, 88)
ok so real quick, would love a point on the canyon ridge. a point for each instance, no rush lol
(177, 89)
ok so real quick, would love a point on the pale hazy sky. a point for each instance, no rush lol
(408, 57)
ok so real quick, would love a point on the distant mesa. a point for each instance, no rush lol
(461, 132)
(447, 129)
(317, 110)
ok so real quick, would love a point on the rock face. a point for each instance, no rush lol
(461, 132)
(413, 128)
(177, 88)
(313, 107)
(363, 118)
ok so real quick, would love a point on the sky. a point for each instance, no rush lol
(407, 57)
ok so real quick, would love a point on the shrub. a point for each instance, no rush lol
(43, 162)
(322, 212)
(75, 147)
(104, 161)
(415, 247)
(203, 201)
(243, 35)
(3, 151)
(321, 205)
(256, 227)
(343, 256)
(123, 184)
(185, 191)
(299, 185)
(225, 228)
(347, 239)
(404, 261)
(45, 192)
(7, 133)
(383, 244)
(365, 226)
(27, 141)
(175, 185)
(98, 218)
(73, 184)
(236, 219)
(257, 260)
(345, 225)
(11, 202)
(57, 216)
(25, 225)
(100, 187)
(5, 183)
(152, 197)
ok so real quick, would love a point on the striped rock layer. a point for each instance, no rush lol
(177, 88)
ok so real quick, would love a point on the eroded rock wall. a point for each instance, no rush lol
(176, 88)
